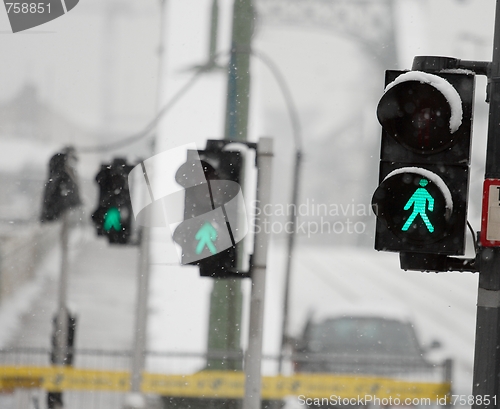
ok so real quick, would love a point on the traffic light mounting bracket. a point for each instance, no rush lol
(438, 263)
(431, 63)
(216, 145)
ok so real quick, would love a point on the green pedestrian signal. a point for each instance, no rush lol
(419, 201)
(112, 220)
(206, 236)
(213, 209)
(113, 216)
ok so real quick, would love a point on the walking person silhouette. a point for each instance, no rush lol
(419, 200)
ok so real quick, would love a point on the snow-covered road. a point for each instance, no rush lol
(326, 281)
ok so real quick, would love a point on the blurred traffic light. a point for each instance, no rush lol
(61, 189)
(212, 224)
(113, 216)
(421, 201)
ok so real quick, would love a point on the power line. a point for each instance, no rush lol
(146, 132)
(287, 96)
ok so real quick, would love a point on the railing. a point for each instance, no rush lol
(170, 372)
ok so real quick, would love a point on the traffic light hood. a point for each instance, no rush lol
(421, 111)
(431, 176)
(444, 87)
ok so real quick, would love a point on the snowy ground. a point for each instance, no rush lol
(326, 281)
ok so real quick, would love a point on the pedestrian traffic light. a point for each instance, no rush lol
(421, 200)
(113, 216)
(213, 207)
(61, 189)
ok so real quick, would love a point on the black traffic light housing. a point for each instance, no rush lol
(211, 179)
(421, 201)
(61, 189)
(113, 216)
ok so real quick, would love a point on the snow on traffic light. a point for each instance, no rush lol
(421, 200)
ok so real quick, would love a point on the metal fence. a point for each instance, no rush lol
(179, 363)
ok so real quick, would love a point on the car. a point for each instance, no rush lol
(365, 344)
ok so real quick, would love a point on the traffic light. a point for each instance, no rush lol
(61, 189)
(213, 207)
(421, 200)
(113, 216)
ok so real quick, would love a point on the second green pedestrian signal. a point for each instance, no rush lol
(214, 215)
(421, 200)
(113, 216)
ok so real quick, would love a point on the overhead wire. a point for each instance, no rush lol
(287, 96)
(149, 128)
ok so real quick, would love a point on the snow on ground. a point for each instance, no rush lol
(325, 281)
(20, 304)
(331, 281)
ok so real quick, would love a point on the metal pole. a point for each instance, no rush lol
(141, 315)
(62, 312)
(55, 399)
(487, 350)
(226, 300)
(212, 45)
(291, 245)
(253, 356)
(297, 136)
(139, 348)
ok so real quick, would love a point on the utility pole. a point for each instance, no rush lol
(226, 298)
(253, 357)
(487, 352)
(141, 316)
(55, 400)
(62, 302)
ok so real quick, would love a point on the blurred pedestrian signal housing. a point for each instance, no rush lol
(207, 186)
(61, 189)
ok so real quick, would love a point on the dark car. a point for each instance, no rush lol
(363, 345)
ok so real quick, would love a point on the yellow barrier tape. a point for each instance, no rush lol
(56, 379)
(219, 384)
(232, 384)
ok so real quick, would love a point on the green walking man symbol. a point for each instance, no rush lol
(419, 200)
